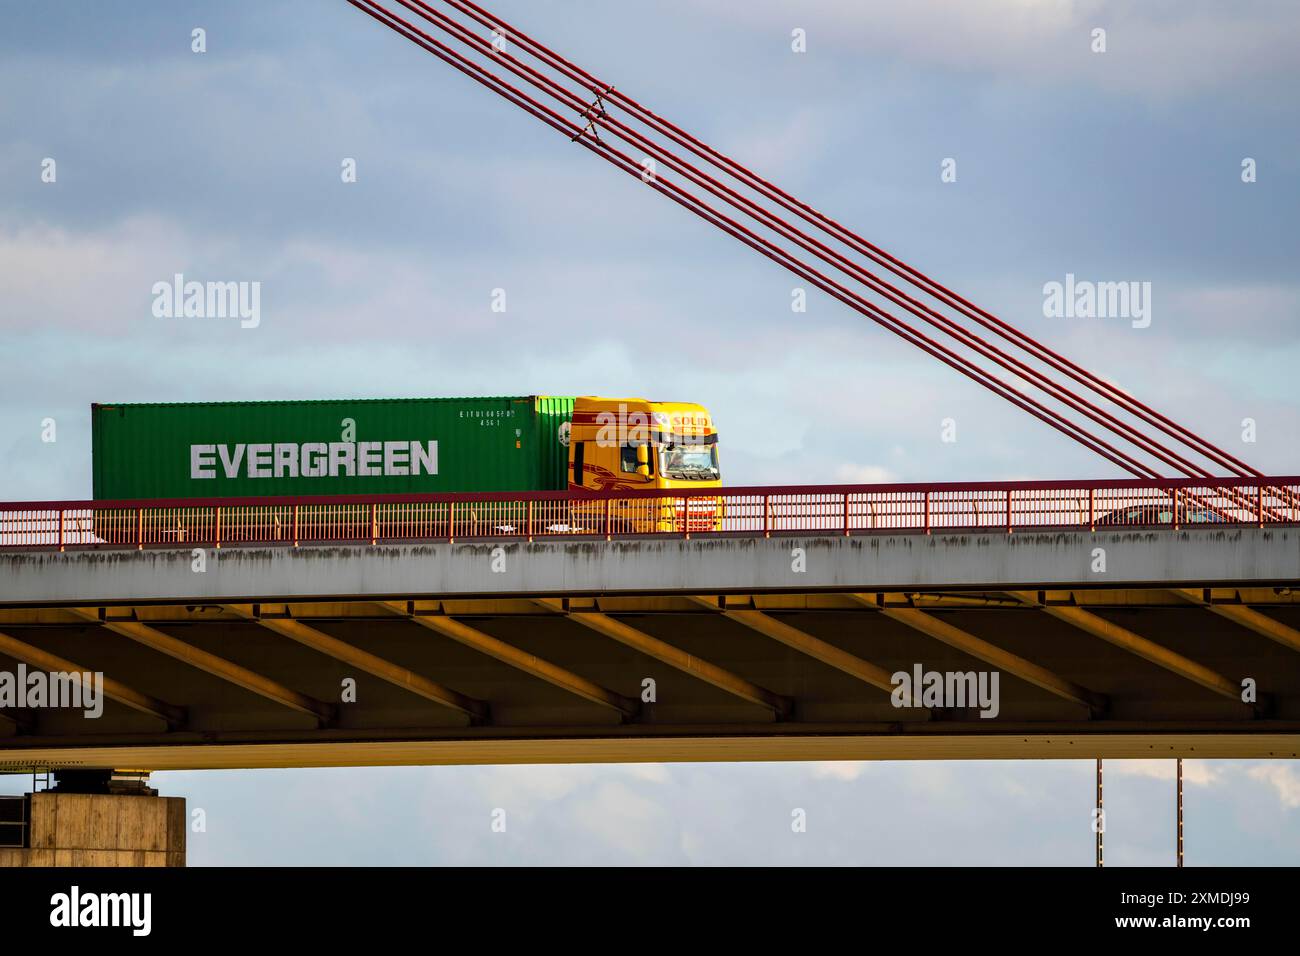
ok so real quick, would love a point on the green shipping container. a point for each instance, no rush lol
(335, 447)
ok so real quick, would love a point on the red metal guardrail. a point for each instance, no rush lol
(760, 511)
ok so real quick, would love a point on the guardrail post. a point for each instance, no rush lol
(608, 535)
(767, 516)
(1175, 514)
(451, 521)
(530, 519)
(139, 528)
(1092, 509)
(1259, 490)
(927, 512)
(846, 514)
(62, 515)
(686, 517)
(374, 529)
(216, 528)
(1008, 511)
(295, 526)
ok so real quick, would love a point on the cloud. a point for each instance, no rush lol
(625, 819)
(1280, 776)
(786, 147)
(1159, 48)
(553, 783)
(1198, 773)
(838, 769)
(974, 812)
(851, 474)
(60, 278)
(1270, 310)
(1284, 780)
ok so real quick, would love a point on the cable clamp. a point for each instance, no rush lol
(594, 112)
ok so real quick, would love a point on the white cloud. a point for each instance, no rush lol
(1198, 773)
(550, 783)
(624, 818)
(972, 812)
(782, 149)
(838, 769)
(1284, 780)
(1267, 309)
(1161, 48)
(58, 278)
(851, 474)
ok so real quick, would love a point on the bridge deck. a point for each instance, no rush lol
(776, 647)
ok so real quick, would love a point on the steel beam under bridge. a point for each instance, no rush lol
(1064, 691)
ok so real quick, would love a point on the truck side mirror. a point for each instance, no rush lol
(643, 460)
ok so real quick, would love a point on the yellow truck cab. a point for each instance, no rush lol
(626, 444)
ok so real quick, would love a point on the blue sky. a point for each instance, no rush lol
(225, 166)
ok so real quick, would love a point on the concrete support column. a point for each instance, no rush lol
(112, 826)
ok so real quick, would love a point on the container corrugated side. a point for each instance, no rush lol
(483, 444)
(554, 417)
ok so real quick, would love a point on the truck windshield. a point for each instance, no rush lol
(691, 462)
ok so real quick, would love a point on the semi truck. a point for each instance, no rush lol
(411, 446)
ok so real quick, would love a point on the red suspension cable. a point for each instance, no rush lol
(810, 244)
(731, 227)
(790, 233)
(843, 234)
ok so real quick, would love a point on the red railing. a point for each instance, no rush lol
(818, 509)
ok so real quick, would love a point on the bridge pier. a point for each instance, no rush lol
(93, 818)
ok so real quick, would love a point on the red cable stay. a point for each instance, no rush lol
(571, 88)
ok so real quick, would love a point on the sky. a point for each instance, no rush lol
(225, 166)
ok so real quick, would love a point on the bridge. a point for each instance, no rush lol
(1122, 619)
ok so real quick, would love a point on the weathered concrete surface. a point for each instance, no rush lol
(867, 562)
(108, 830)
